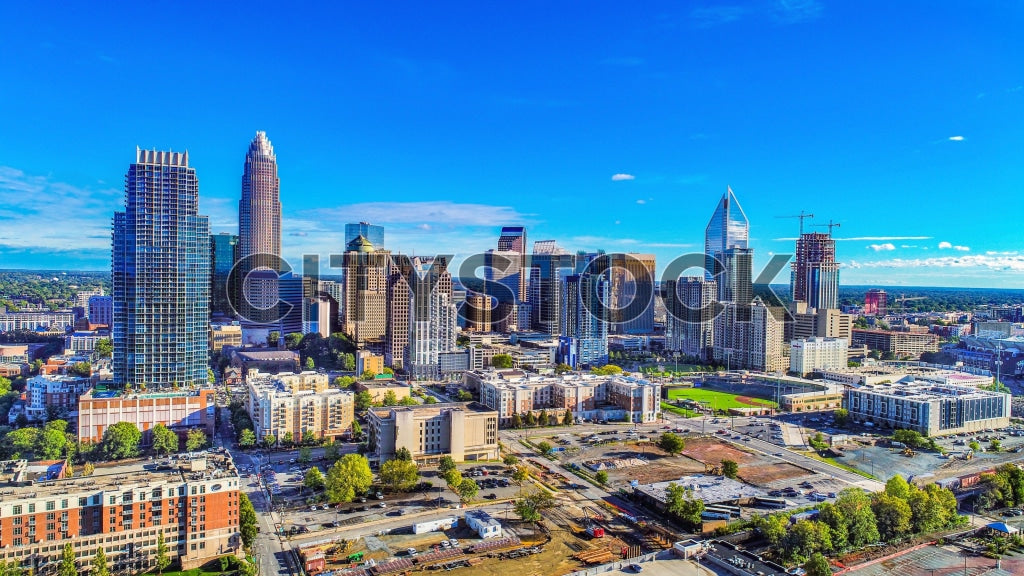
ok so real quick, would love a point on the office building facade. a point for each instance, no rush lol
(690, 304)
(816, 354)
(160, 275)
(932, 410)
(177, 410)
(815, 272)
(465, 431)
(372, 232)
(224, 251)
(727, 229)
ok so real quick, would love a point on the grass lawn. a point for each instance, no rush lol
(684, 412)
(838, 464)
(717, 400)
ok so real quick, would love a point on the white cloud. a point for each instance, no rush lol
(945, 245)
(908, 245)
(956, 138)
(641, 201)
(622, 177)
(882, 247)
(424, 226)
(977, 261)
(962, 248)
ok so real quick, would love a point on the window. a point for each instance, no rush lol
(50, 505)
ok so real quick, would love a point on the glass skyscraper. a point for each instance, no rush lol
(259, 229)
(161, 275)
(224, 251)
(372, 232)
(728, 229)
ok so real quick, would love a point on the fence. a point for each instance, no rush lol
(603, 568)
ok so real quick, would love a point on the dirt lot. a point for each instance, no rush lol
(754, 468)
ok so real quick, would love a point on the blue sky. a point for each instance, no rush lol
(443, 121)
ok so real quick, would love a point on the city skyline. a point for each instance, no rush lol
(618, 144)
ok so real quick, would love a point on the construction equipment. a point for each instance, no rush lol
(593, 529)
(801, 216)
(712, 469)
(908, 452)
(903, 298)
(830, 226)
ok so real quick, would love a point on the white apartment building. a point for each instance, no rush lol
(815, 354)
(298, 404)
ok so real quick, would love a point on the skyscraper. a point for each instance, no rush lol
(815, 273)
(372, 232)
(875, 302)
(259, 223)
(689, 325)
(364, 313)
(631, 293)
(727, 229)
(160, 275)
(584, 321)
(548, 267)
(432, 317)
(224, 251)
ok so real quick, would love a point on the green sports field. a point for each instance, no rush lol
(717, 400)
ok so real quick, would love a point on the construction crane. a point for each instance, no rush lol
(903, 298)
(801, 216)
(830, 226)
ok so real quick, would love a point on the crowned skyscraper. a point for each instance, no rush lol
(161, 275)
(725, 248)
(259, 229)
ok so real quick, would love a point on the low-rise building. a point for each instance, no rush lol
(121, 508)
(900, 344)
(378, 389)
(465, 431)
(267, 361)
(84, 341)
(367, 361)
(178, 410)
(932, 410)
(225, 336)
(54, 394)
(827, 397)
(296, 405)
(36, 320)
(485, 526)
(907, 372)
(588, 396)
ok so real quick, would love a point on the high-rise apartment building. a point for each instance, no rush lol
(727, 229)
(815, 272)
(224, 251)
(631, 293)
(372, 232)
(259, 227)
(432, 317)
(689, 324)
(298, 406)
(584, 320)
(399, 303)
(364, 312)
(101, 310)
(160, 275)
(749, 336)
(875, 302)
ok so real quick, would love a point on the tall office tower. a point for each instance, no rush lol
(432, 318)
(477, 312)
(548, 267)
(259, 223)
(364, 312)
(749, 336)
(372, 232)
(728, 228)
(689, 325)
(224, 251)
(632, 293)
(815, 273)
(584, 320)
(399, 302)
(505, 268)
(875, 302)
(161, 275)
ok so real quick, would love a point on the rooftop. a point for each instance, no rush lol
(20, 479)
(710, 489)
(921, 391)
(385, 412)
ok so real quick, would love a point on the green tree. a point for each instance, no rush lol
(104, 348)
(357, 430)
(467, 489)
(607, 370)
(288, 439)
(601, 477)
(121, 440)
(247, 521)
(408, 401)
(842, 417)
(897, 487)
(344, 382)
(974, 445)
(403, 454)
(995, 446)
(429, 400)
(390, 398)
(892, 516)
(463, 396)
(671, 443)
(772, 527)
(567, 418)
(517, 421)
(348, 476)
(332, 452)
(273, 339)
(545, 447)
(52, 441)
(562, 368)
(367, 375)
(68, 565)
(501, 361)
(162, 559)
(164, 440)
(348, 362)
(806, 538)
(269, 440)
(680, 502)
(520, 474)
(310, 363)
(730, 469)
(530, 420)
(510, 460)
(542, 419)
(399, 475)
(830, 515)
(83, 369)
(313, 479)
(247, 439)
(363, 401)
(817, 565)
(861, 525)
(530, 506)
(305, 455)
(452, 478)
(293, 341)
(99, 563)
(818, 443)
(446, 464)
(22, 441)
(196, 440)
